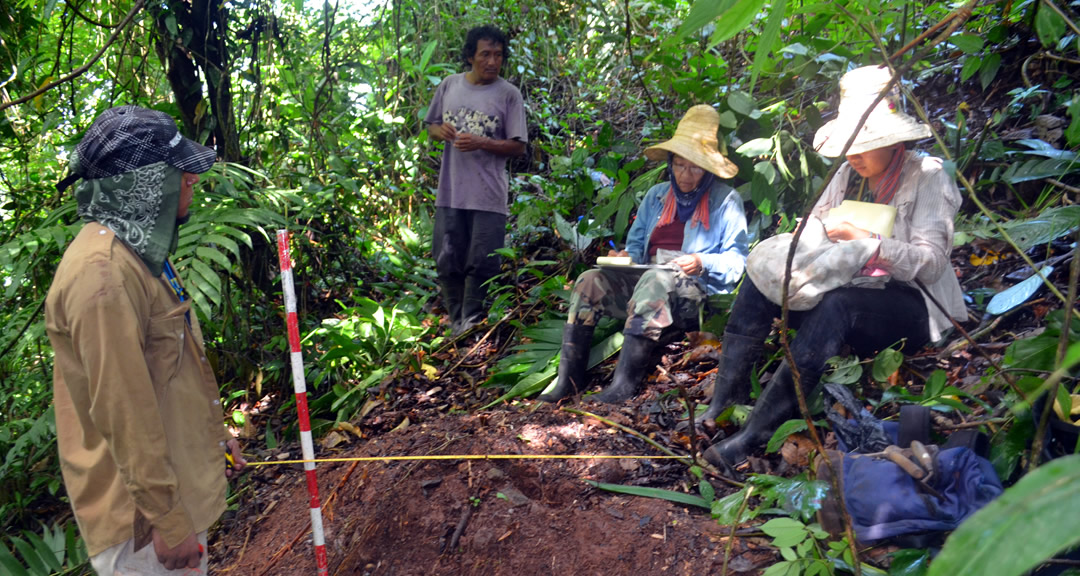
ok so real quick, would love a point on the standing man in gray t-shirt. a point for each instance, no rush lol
(481, 117)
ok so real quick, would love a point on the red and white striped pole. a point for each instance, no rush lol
(300, 387)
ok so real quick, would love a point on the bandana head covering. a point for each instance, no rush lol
(140, 206)
(130, 163)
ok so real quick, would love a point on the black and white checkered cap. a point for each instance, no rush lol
(124, 138)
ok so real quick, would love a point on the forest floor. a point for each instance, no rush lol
(539, 516)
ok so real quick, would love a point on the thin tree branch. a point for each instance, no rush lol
(81, 69)
(78, 13)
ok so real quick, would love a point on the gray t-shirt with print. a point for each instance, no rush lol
(476, 180)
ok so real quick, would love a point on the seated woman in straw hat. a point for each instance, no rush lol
(693, 223)
(879, 169)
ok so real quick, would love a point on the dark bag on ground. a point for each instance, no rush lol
(884, 500)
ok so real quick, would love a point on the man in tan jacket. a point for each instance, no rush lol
(138, 417)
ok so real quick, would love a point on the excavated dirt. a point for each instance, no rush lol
(483, 516)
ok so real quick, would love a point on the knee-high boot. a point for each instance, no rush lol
(777, 404)
(473, 308)
(573, 362)
(629, 371)
(732, 384)
(453, 296)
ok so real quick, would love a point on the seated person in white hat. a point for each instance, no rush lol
(696, 225)
(882, 170)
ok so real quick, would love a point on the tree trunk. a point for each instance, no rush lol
(200, 46)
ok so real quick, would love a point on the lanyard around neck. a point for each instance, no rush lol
(170, 275)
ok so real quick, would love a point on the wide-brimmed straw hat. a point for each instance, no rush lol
(695, 140)
(885, 126)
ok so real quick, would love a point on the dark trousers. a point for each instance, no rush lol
(463, 245)
(869, 320)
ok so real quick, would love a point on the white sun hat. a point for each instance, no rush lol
(886, 125)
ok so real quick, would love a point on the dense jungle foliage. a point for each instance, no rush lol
(315, 110)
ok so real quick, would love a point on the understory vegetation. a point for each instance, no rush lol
(316, 112)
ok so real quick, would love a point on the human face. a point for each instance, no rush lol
(187, 193)
(687, 174)
(487, 61)
(872, 163)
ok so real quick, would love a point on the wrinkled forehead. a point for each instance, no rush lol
(488, 45)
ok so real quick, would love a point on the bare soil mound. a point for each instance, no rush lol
(461, 516)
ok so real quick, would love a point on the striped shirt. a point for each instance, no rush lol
(926, 204)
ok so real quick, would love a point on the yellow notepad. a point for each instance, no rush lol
(877, 218)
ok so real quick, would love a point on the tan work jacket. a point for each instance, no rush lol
(138, 417)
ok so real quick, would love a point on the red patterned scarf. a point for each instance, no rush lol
(701, 213)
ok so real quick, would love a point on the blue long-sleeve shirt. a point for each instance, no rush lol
(723, 247)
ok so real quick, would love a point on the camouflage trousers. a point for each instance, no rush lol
(650, 300)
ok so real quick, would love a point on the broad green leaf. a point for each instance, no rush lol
(886, 363)
(845, 370)
(1049, 25)
(742, 103)
(210, 254)
(971, 66)
(935, 384)
(10, 564)
(989, 69)
(705, 488)
(967, 43)
(605, 349)
(30, 556)
(426, 57)
(735, 20)
(782, 432)
(1044, 507)
(766, 40)
(1047, 226)
(1072, 133)
(703, 12)
(756, 147)
(725, 509)
(909, 562)
(1037, 170)
(1036, 353)
(785, 531)
(527, 386)
(1064, 400)
(762, 193)
(50, 552)
(727, 120)
(669, 495)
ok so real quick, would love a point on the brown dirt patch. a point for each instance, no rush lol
(516, 516)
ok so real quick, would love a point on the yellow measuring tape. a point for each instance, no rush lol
(474, 457)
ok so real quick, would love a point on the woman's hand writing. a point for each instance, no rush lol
(845, 230)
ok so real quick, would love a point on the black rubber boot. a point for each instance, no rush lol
(473, 310)
(573, 362)
(629, 371)
(776, 405)
(732, 385)
(453, 296)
